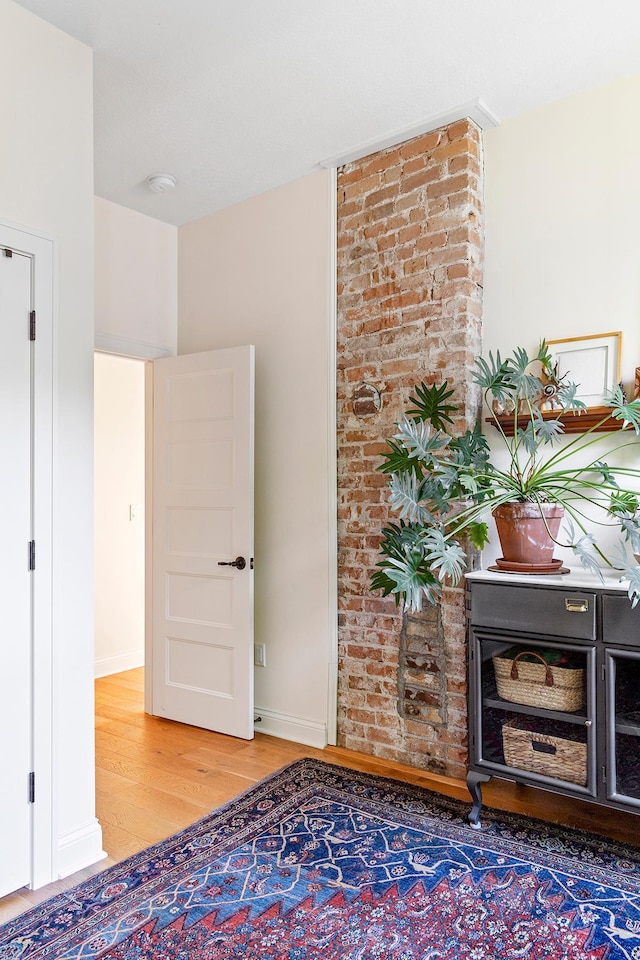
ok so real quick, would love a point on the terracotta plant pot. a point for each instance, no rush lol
(524, 537)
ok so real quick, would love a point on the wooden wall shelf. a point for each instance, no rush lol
(573, 423)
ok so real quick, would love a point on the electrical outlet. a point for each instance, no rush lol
(259, 655)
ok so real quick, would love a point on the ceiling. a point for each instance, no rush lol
(235, 97)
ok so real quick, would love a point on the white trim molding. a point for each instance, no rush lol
(105, 666)
(475, 110)
(297, 729)
(332, 466)
(80, 848)
(127, 347)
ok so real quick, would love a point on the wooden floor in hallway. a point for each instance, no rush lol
(154, 777)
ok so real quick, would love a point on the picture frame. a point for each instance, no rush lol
(593, 362)
(636, 385)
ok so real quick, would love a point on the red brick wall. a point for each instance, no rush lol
(410, 253)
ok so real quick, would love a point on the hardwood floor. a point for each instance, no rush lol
(154, 777)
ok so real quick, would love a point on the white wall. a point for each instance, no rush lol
(259, 273)
(136, 282)
(46, 118)
(119, 483)
(562, 199)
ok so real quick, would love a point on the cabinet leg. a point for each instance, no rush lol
(474, 780)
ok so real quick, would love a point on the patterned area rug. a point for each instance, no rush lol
(321, 862)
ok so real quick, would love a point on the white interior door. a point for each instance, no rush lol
(202, 621)
(15, 575)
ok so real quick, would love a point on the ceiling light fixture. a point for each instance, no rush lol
(161, 182)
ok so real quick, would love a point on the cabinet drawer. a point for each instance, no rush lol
(560, 613)
(620, 621)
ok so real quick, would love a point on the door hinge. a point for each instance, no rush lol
(32, 787)
(32, 325)
(604, 773)
(7, 252)
(603, 674)
(32, 554)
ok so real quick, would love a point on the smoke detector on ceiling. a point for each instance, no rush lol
(161, 182)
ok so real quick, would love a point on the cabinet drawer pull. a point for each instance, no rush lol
(576, 605)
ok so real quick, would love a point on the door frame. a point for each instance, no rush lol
(148, 352)
(43, 253)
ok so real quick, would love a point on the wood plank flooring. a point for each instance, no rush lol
(154, 777)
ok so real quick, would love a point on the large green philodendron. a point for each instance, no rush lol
(443, 487)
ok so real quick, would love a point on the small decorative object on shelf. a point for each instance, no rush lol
(593, 363)
(444, 483)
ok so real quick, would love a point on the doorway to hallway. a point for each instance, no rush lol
(119, 513)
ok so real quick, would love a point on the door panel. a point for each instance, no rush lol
(202, 517)
(15, 527)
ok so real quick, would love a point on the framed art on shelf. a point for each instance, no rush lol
(593, 362)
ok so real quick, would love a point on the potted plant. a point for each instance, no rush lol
(444, 486)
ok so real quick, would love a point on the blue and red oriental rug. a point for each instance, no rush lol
(321, 862)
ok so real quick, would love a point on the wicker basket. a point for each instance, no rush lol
(539, 684)
(544, 754)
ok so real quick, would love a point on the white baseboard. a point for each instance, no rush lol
(124, 661)
(79, 849)
(296, 729)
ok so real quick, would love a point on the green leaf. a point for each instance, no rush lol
(478, 534)
(494, 376)
(399, 460)
(631, 531)
(419, 439)
(431, 404)
(631, 572)
(605, 470)
(628, 412)
(528, 386)
(408, 577)
(380, 580)
(471, 449)
(468, 483)
(623, 503)
(548, 430)
(582, 546)
(444, 555)
(567, 397)
(404, 498)
(527, 438)
(435, 493)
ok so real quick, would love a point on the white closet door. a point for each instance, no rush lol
(15, 576)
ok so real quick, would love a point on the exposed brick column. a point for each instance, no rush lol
(410, 254)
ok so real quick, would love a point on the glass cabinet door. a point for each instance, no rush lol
(534, 704)
(622, 672)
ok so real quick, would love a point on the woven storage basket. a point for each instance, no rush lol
(544, 754)
(539, 684)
